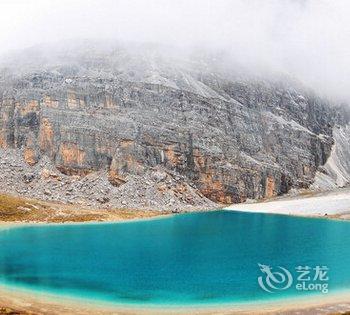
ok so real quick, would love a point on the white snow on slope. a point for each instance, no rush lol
(336, 172)
(330, 203)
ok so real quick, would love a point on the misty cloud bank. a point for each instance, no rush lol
(308, 39)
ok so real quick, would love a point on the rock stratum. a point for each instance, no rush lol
(129, 127)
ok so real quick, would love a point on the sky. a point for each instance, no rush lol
(309, 39)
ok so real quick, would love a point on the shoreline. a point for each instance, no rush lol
(8, 225)
(17, 211)
(310, 205)
(328, 205)
(35, 302)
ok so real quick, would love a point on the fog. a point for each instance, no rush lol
(308, 39)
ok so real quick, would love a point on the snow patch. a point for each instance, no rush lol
(329, 203)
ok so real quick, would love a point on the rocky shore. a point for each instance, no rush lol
(155, 190)
(17, 210)
(24, 303)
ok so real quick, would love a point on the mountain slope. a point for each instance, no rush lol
(131, 112)
(336, 172)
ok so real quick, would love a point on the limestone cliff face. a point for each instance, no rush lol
(336, 172)
(231, 139)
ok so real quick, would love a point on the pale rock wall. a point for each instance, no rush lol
(336, 172)
(230, 138)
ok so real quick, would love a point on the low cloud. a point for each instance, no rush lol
(308, 39)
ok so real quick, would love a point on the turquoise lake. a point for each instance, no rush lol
(190, 259)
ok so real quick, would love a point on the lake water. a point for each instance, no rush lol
(190, 259)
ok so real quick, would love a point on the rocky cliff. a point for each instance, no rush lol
(336, 172)
(187, 127)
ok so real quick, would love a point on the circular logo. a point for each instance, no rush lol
(274, 280)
